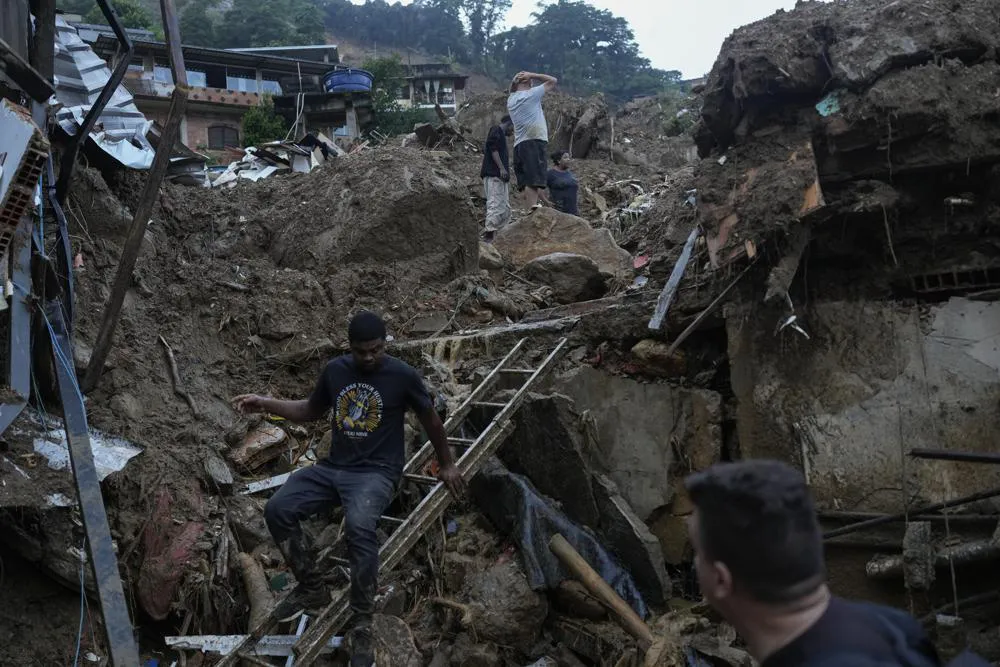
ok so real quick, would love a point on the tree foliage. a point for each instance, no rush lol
(483, 18)
(250, 23)
(390, 116)
(130, 12)
(261, 124)
(197, 26)
(588, 49)
(432, 26)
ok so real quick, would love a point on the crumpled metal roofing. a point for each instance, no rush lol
(80, 74)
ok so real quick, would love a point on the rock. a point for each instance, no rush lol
(456, 569)
(261, 445)
(127, 407)
(429, 324)
(572, 598)
(323, 447)
(218, 475)
(653, 356)
(639, 426)
(394, 646)
(489, 257)
(671, 532)
(629, 539)
(466, 653)
(247, 521)
(546, 231)
(511, 614)
(547, 447)
(572, 277)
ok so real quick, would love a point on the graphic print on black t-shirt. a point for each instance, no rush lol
(358, 410)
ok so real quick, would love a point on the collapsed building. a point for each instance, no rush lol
(816, 285)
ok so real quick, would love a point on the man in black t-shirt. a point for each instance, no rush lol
(759, 558)
(367, 393)
(495, 173)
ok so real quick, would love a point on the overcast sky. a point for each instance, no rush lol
(675, 34)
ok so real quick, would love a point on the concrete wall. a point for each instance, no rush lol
(194, 127)
(875, 380)
(642, 429)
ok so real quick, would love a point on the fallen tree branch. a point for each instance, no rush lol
(468, 618)
(176, 378)
(258, 593)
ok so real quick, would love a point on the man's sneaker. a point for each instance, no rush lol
(302, 600)
(362, 644)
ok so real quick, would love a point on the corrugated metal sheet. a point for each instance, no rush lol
(79, 77)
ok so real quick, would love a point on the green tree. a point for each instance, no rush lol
(261, 124)
(483, 17)
(197, 27)
(588, 49)
(390, 116)
(130, 13)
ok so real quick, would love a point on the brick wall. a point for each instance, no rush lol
(198, 123)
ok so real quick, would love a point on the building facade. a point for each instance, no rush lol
(432, 83)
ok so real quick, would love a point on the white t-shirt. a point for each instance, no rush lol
(525, 108)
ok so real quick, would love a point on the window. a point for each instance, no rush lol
(197, 78)
(270, 87)
(135, 65)
(242, 80)
(404, 93)
(220, 136)
(162, 74)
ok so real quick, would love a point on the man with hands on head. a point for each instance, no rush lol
(531, 133)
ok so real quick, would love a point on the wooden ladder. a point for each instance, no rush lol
(436, 498)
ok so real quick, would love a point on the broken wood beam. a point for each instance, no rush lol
(600, 589)
(148, 198)
(670, 289)
(703, 315)
(779, 281)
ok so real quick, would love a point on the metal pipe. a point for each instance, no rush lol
(954, 518)
(884, 567)
(69, 157)
(902, 516)
(947, 455)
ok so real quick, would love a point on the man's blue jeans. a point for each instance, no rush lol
(364, 495)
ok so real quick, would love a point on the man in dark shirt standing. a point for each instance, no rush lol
(495, 173)
(759, 558)
(367, 393)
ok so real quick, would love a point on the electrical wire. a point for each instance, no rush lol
(83, 607)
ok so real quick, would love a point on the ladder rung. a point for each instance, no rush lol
(465, 442)
(392, 519)
(498, 406)
(519, 371)
(422, 479)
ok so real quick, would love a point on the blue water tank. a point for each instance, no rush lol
(348, 81)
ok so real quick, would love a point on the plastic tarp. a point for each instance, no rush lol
(517, 509)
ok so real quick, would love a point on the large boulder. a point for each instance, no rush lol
(572, 277)
(546, 231)
(506, 610)
(389, 206)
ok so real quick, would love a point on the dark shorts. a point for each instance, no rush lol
(531, 163)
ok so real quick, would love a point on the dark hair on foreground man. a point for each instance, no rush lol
(759, 558)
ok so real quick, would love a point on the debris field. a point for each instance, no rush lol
(821, 260)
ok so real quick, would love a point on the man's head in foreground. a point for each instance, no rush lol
(756, 538)
(366, 335)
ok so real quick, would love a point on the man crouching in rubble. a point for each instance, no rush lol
(368, 392)
(759, 558)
